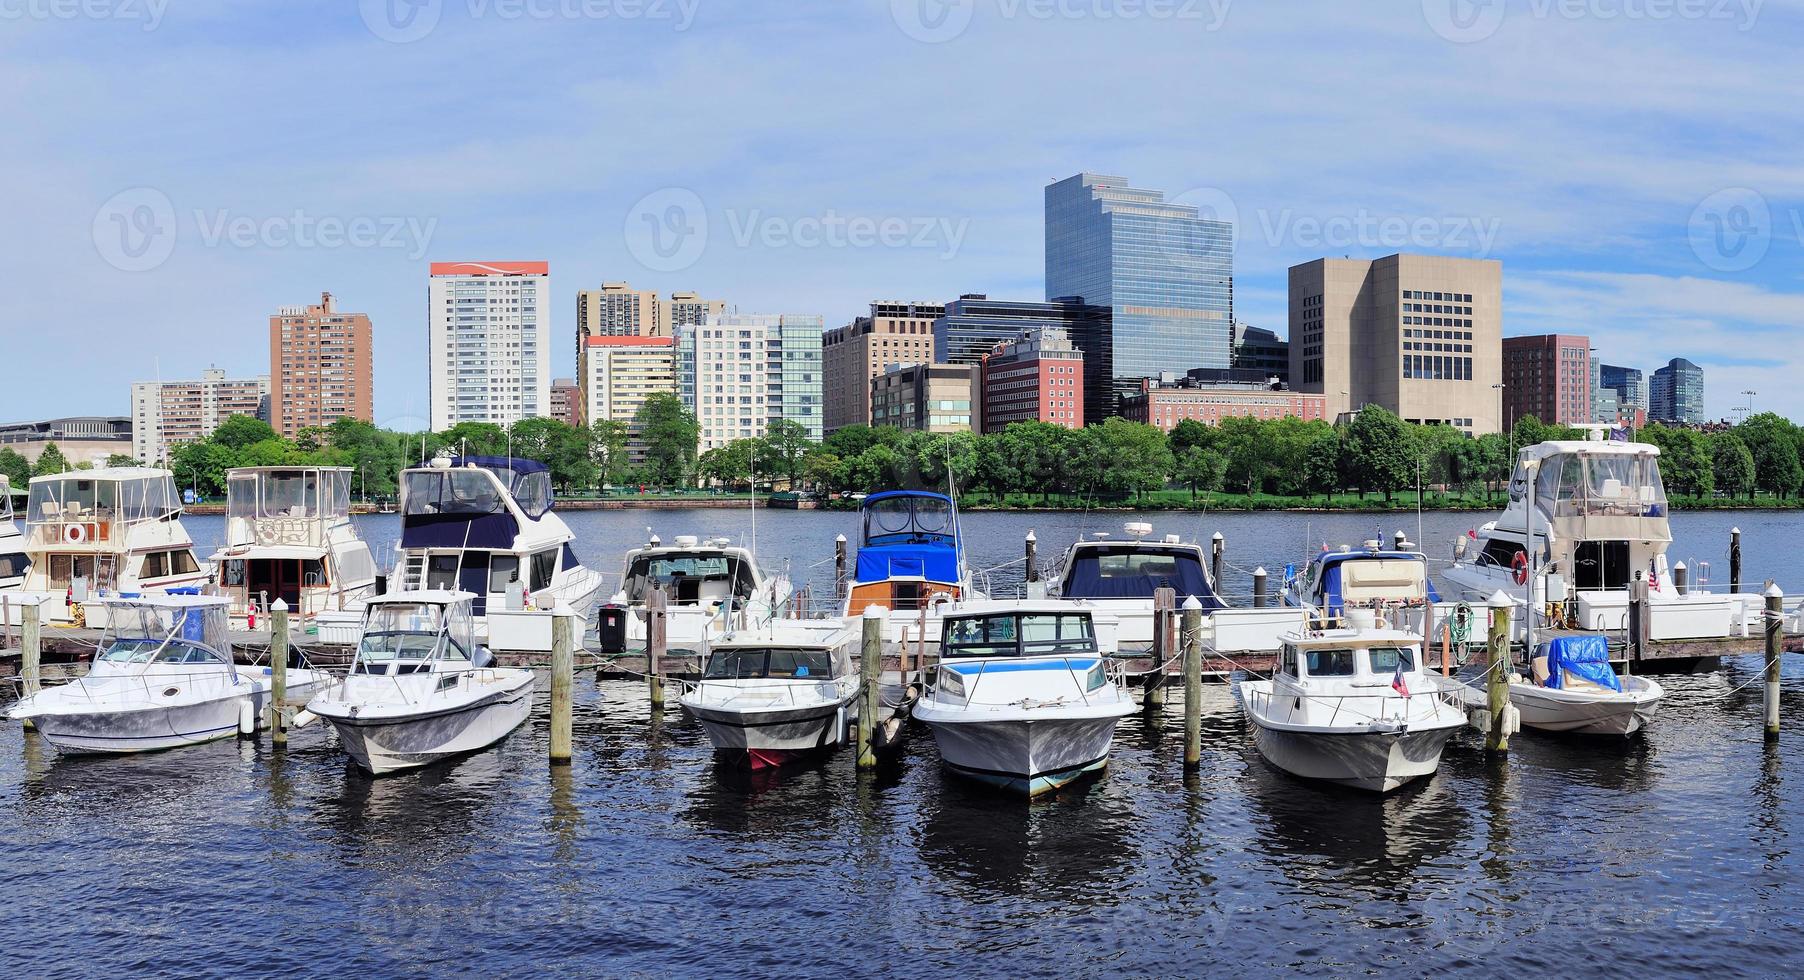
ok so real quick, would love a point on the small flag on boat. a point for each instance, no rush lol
(1653, 576)
(1397, 680)
(1619, 435)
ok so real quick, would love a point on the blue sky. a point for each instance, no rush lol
(179, 168)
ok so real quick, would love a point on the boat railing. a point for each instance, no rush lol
(1076, 679)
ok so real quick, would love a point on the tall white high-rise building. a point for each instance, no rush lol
(740, 372)
(488, 346)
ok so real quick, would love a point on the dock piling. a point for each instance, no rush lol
(1165, 603)
(1193, 683)
(1033, 556)
(1637, 618)
(1735, 559)
(1681, 577)
(1217, 545)
(870, 669)
(1497, 674)
(1259, 587)
(31, 649)
(563, 668)
(1400, 540)
(656, 626)
(278, 673)
(839, 566)
(1775, 644)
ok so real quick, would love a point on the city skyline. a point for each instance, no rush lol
(1687, 256)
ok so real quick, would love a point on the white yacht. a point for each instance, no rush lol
(779, 692)
(1119, 576)
(1596, 514)
(164, 678)
(113, 531)
(911, 563)
(713, 587)
(484, 525)
(1023, 696)
(13, 560)
(1353, 706)
(1394, 582)
(1573, 688)
(420, 688)
(289, 536)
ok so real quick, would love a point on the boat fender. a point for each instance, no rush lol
(840, 725)
(303, 718)
(247, 717)
(1512, 720)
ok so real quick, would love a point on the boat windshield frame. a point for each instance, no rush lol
(158, 625)
(1594, 484)
(1296, 662)
(451, 628)
(822, 657)
(908, 517)
(638, 584)
(1005, 635)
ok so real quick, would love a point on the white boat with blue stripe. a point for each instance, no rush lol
(1024, 696)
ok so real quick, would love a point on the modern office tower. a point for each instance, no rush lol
(321, 367)
(1629, 384)
(941, 398)
(1420, 335)
(1165, 273)
(975, 325)
(689, 308)
(896, 332)
(1548, 376)
(1037, 378)
(1166, 402)
(166, 414)
(488, 351)
(567, 401)
(793, 381)
(1676, 393)
(739, 372)
(623, 373)
(1261, 350)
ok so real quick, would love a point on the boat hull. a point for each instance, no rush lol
(393, 743)
(159, 727)
(763, 738)
(1378, 761)
(1026, 757)
(1549, 710)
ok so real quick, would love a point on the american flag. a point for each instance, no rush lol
(1653, 575)
(1397, 680)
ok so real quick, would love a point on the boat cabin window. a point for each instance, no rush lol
(441, 571)
(780, 662)
(1287, 662)
(454, 491)
(1501, 552)
(689, 578)
(1328, 663)
(14, 566)
(504, 573)
(162, 564)
(1384, 660)
(544, 566)
(1601, 566)
(1026, 635)
(1129, 572)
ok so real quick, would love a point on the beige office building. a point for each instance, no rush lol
(1420, 335)
(854, 355)
(690, 310)
(623, 373)
(940, 398)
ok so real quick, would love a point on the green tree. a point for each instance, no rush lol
(475, 439)
(1032, 455)
(1136, 457)
(873, 469)
(730, 465)
(671, 435)
(1323, 463)
(1202, 469)
(1192, 434)
(50, 461)
(824, 471)
(240, 431)
(1774, 442)
(122, 459)
(608, 449)
(1380, 451)
(1685, 460)
(16, 468)
(784, 451)
(1733, 465)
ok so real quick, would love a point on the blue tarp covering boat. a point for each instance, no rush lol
(1587, 657)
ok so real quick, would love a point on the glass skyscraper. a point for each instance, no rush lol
(1676, 393)
(1165, 272)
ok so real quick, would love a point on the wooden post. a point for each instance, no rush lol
(1637, 618)
(1775, 645)
(1259, 587)
(278, 673)
(31, 649)
(1446, 649)
(1497, 685)
(870, 668)
(656, 624)
(1165, 601)
(1033, 557)
(839, 566)
(563, 667)
(1217, 545)
(1680, 577)
(1193, 683)
(6, 621)
(1735, 559)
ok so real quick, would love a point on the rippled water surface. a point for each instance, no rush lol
(1662, 854)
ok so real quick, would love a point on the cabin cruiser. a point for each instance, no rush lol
(1571, 687)
(911, 562)
(1353, 706)
(711, 587)
(13, 560)
(1023, 696)
(420, 688)
(164, 678)
(484, 525)
(289, 536)
(1120, 576)
(1596, 514)
(779, 692)
(113, 531)
(1393, 582)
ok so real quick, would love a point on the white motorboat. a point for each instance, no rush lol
(1353, 706)
(289, 536)
(777, 693)
(485, 525)
(911, 563)
(420, 688)
(1023, 696)
(164, 678)
(712, 587)
(13, 560)
(113, 531)
(1394, 583)
(1120, 576)
(1573, 688)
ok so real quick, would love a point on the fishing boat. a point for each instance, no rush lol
(14, 562)
(484, 525)
(777, 693)
(112, 531)
(1395, 583)
(911, 563)
(1121, 575)
(1353, 706)
(289, 536)
(712, 587)
(164, 678)
(1023, 697)
(1571, 687)
(420, 688)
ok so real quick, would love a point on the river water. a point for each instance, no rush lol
(1666, 853)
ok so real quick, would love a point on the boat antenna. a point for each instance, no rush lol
(752, 498)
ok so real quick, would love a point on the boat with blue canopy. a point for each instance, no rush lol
(1572, 687)
(911, 561)
(1122, 575)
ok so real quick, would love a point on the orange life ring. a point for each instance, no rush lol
(75, 533)
(1519, 568)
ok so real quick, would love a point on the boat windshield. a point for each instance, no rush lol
(909, 519)
(741, 663)
(256, 494)
(75, 509)
(455, 491)
(1596, 485)
(1388, 660)
(133, 651)
(1136, 572)
(687, 576)
(411, 631)
(1019, 635)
